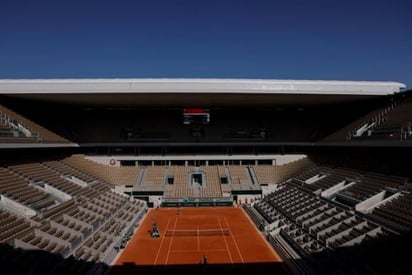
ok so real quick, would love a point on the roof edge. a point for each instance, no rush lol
(196, 85)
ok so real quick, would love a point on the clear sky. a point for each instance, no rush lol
(286, 39)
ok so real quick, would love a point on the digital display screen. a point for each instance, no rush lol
(196, 116)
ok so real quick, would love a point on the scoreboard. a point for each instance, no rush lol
(196, 116)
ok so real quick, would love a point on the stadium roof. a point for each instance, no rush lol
(195, 92)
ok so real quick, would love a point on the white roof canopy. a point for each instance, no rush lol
(255, 86)
(195, 92)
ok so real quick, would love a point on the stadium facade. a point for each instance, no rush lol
(321, 167)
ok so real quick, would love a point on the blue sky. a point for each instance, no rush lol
(290, 39)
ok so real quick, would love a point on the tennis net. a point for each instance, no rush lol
(198, 232)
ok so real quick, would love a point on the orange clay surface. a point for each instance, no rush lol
(244, 244)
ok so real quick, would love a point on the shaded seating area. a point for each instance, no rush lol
(14, 128)
(370, 184)
(88, 226)
(327, 234)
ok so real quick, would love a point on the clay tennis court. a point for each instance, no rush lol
(221, 234)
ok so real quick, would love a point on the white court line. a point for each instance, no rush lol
(234, 240)
(227, 246)
(161, 243)
(171, 241)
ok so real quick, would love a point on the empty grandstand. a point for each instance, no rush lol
(321, 168)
